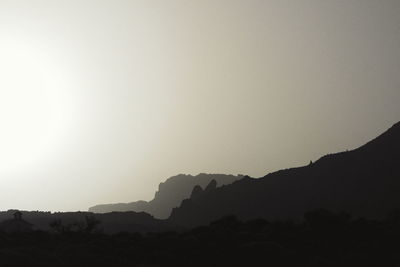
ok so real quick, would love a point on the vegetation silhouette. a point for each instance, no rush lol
(323, 238)
(89, 225)
(17, 224)
(109, 223)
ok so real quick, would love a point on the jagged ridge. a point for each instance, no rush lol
(169, 195)
(363, 182)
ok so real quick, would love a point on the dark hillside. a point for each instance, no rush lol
(364, 182)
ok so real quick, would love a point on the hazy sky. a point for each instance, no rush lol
(100, 101)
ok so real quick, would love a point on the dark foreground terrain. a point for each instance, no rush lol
(321, 239)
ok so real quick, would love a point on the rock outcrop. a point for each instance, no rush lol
(170, 194)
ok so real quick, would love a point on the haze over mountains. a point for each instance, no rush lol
(363, 182)
(169, 195)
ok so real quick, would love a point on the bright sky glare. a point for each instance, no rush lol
(100, 101)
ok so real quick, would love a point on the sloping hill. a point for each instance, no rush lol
(363, 182)
(169, 195)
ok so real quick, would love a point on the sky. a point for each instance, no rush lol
(100, 101)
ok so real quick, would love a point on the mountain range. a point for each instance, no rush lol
(306, 216)
(363, 182)
(169, 195)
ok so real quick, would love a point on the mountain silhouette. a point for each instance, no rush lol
(363, 182)
(169, 195)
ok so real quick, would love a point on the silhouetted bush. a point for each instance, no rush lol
(88, 226)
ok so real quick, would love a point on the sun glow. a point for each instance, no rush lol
(35, 106)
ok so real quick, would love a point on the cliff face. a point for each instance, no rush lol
(364, 182)
(169, 195)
